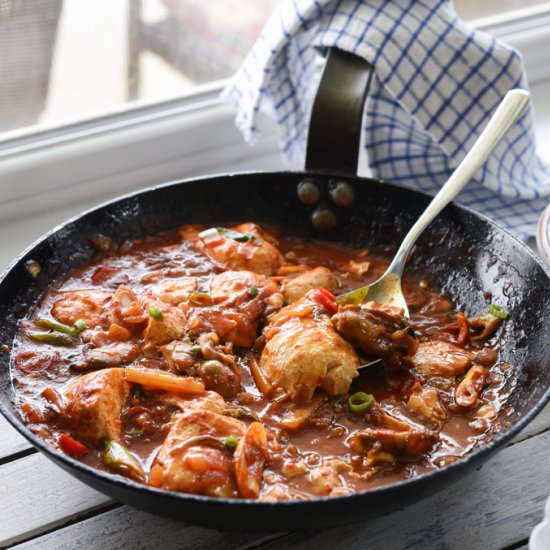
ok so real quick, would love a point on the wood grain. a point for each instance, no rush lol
(11, 441)
(494, 507)
(37, 495)
(129, 528)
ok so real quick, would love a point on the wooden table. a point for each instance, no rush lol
(497, 506)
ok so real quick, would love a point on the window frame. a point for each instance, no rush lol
(152, 143)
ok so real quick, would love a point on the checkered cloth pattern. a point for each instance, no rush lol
(437, 82)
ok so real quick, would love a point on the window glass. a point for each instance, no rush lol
(66, 60)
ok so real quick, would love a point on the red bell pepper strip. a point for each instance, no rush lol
(326, 299)
(72, 447)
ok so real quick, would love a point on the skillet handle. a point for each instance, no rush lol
(335, 126)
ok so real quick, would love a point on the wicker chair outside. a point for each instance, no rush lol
(204, 40)
(28, 30)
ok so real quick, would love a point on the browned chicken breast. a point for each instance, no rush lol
(175, 291)
(320, 277)
(88, 305)
(94, 403)
(193, 457)
(303, 352)
(164, 322)
(244, 246)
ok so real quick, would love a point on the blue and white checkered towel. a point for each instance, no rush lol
(437, 83)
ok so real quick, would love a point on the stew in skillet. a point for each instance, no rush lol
(218, 361)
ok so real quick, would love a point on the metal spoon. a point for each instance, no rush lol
(387, 289)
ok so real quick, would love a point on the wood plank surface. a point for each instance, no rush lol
(11, 441)
(492, 508)
(129, 528)
(37, 495)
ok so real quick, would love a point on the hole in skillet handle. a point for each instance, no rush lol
(335, 132)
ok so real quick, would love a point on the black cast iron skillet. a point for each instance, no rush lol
(464, 253)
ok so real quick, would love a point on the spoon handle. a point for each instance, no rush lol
(509, 110)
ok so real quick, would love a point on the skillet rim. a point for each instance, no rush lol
(127, 484)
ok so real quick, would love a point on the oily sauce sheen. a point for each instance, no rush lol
(265, 424)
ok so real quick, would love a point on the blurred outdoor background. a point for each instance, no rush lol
(68, 60)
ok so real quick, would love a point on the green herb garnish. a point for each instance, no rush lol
(235, 235)
(155, 313)
(497, 311)
(231, 442)
(360, 402)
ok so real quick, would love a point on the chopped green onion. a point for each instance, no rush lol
(231, 442)
(80, 325)
(235, 235)
(135, 432)
(195, 350)
(121, 460)
(253, 291)
(354, 297)
(497, 311)
(360, 402)
(209, 233)
(155, 313)
(60, 327)
(55, 338)
(201, 299)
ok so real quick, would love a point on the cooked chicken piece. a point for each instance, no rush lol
(303, 352)
(203, 320)
(358, 268)
(441, 359)
(378, 416)
(219, 371)
(193, 457)
(377, 330)
(112, 355)
(409, 443)
(126, 311)
(320, 277)
(244, 246)
(181, 356)
(212, 350)
(206, 359)
(89, 305)
(208, 401)
(250, 457)
(219, 377)
(94, 402)
(164, 327)
(425, 403)
(326, 479)
(241, 296)
(175, 291)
